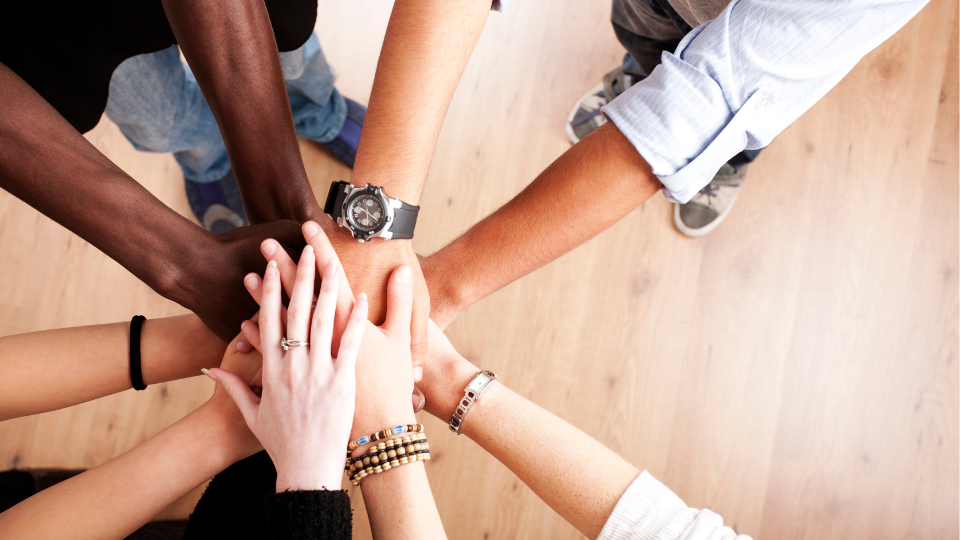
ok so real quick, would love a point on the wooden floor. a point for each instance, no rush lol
(796, 370)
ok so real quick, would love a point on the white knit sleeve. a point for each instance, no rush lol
(648, 510)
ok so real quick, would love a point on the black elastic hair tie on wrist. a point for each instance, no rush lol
(136, 375)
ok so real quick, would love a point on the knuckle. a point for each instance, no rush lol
(318, 322)
(349, 344)
(296, 313)
(271, 286)
(405, 300)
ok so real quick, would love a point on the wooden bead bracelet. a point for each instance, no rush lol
(387, 455)
(400, 446)
(395, 430)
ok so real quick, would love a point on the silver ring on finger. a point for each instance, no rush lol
(288, 344)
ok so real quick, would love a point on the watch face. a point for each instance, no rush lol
(365, 213)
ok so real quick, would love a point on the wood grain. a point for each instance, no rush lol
(795, 371)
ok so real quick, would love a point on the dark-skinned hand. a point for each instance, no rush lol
(211, 282)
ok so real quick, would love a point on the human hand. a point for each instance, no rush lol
(368, 267)
(212, 275)
(385, 372)
(304, 414)
(246, 365)
(324, 254)
(384, 368)
(288, 273)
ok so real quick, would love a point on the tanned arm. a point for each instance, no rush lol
(425, 50)
(586, 190)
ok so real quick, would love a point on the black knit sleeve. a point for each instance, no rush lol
(231, 507)
(308, 515)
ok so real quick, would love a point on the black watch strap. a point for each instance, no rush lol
(335, 197)
(404, 218)
(404, 221)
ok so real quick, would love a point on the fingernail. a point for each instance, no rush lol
(416, 402)
(417, 373)
(307, 254)
(246, 327)
(310, 229)
(207, 372)
(362, 300)
(269, 247)
(329, 271)
(405, 274)
(251, 282)
(271, 270)
(243, 347)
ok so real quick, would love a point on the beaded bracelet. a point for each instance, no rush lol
(399, 446)
(385, 456)
(395, 430)
(387, 463)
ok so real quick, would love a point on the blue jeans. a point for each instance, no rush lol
(156, 101)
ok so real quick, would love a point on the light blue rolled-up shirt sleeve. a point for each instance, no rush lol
(738, 81)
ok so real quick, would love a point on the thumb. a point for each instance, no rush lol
(242, 395)
(399, 301)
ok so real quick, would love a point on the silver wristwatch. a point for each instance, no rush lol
(471, 393)
(368, 213)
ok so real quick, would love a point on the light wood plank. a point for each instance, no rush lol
(796, 370)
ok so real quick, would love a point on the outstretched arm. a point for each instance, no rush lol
(425, 50)
(116, 498)
(586, 190)
(53, 369)
(233, 53)
(48, 165)
(578, 477)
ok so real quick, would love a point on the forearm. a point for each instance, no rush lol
(586, 190)
(425, 50)
(400, 504)
(578, 477)
(114, 499)
(48, 165)
(53, 369)
(233, 53)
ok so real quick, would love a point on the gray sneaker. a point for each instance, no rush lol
(585, 116)
(708, 208)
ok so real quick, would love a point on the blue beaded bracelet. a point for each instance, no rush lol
(395, 430)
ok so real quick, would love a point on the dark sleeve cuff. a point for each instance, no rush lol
(303, 515)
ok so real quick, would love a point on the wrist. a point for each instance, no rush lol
(226, 436)
(167, 273)
(401, 414)
(405, 187)
(448, 295)
(324, 473)
(443, 384)
(310, 210)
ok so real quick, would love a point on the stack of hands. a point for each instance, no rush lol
(304, 404)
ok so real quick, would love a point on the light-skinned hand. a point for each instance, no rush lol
(385, 371)
(304, 415)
